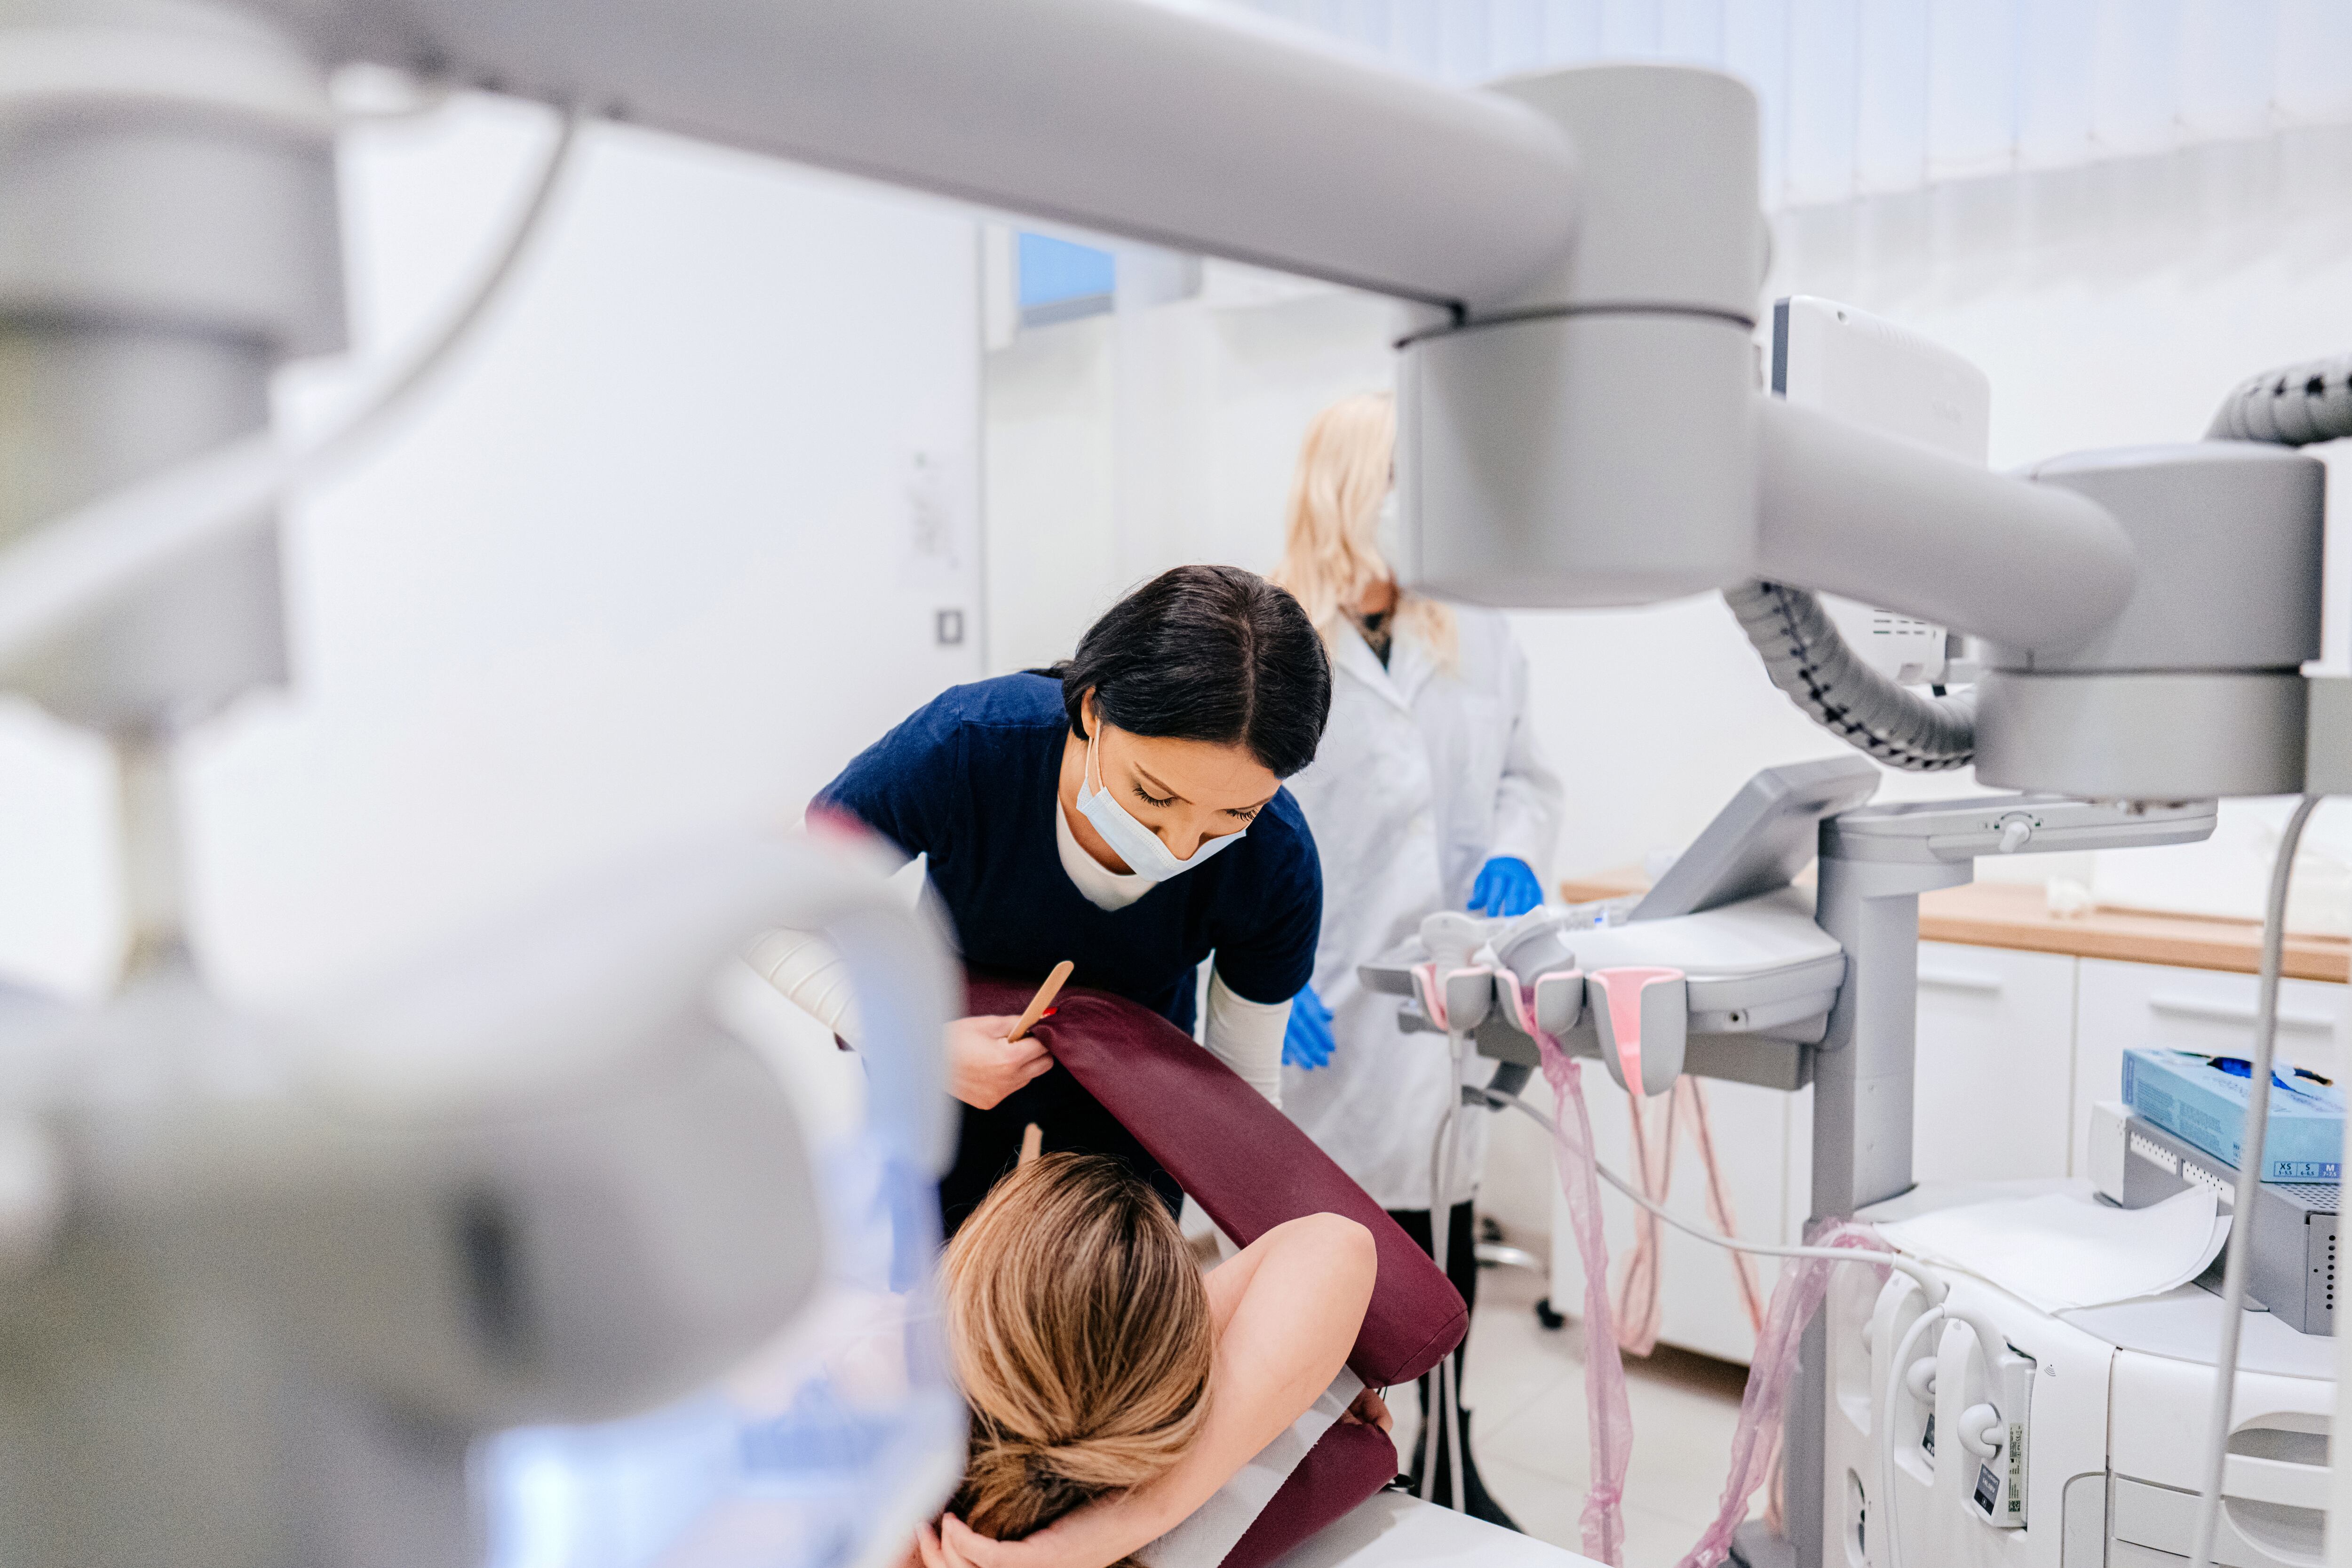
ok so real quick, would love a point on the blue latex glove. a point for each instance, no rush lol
(1506, 885)
(1306, 1043)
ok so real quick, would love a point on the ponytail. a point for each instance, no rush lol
(1082, 1340)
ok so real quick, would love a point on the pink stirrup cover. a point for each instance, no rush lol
(1623, 987)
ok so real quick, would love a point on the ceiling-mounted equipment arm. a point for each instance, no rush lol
(1186, 129)
(1175, 126)
(1582, 429)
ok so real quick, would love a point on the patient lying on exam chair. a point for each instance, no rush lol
(1113, 1387)
(1122, 1404)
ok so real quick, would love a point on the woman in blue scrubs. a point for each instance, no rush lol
(1123, 810)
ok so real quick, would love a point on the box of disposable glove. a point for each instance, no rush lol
(2201, 1098)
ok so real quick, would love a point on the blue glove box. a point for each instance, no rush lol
(2189, 1097)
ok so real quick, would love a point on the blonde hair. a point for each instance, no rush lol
(1329, 557)
(1081, 1337)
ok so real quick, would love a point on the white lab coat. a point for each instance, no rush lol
(1423, 775)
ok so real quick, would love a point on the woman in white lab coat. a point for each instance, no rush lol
(1428, 794)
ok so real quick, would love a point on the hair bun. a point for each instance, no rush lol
(1027, 1460)
(1096, 1462)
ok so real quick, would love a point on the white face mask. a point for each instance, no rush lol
(1388, 532)
(1129, 839)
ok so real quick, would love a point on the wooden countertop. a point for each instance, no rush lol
(2017, 915)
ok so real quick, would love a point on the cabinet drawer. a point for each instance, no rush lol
(1994, 1065)
(2119, 1006)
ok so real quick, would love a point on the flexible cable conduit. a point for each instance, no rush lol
(2291, 408)
(1806, 657)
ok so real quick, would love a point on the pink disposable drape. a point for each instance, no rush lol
(1755, 1446)
(1796, 1296)
(1609, 1416)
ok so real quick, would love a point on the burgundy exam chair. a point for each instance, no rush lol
(1251, 1169)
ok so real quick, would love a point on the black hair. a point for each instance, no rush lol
(1206, 653)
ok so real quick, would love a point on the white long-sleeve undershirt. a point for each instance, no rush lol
(1247, 1037)
(811, 976)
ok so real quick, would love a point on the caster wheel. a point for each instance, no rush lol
(1546, 1317)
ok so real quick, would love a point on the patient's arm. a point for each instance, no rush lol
(1286, 1308)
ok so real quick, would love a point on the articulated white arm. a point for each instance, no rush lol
(1891, 523)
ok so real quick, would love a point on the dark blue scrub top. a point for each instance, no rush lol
(972, 780)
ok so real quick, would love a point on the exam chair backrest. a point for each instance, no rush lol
(1249, 1168)
(1245, 1164)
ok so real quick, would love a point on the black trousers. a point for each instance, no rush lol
(1461, 1267)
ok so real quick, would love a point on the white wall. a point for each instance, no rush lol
(659, 556)
(1124, 443)
(1053, 556)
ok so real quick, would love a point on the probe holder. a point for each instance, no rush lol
(1559, 1001)
(1642, 1016)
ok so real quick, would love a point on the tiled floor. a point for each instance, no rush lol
(1526, 1388)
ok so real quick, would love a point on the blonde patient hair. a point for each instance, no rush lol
(1329, 557)
(1081, 1336)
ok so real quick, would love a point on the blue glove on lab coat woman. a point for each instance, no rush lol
(1506, 885)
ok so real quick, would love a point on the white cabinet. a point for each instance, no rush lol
(1995, 1064)
(2122, 1005)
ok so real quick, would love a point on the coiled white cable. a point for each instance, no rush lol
(1895, 1368)
(2293, 407)
(64, 568)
